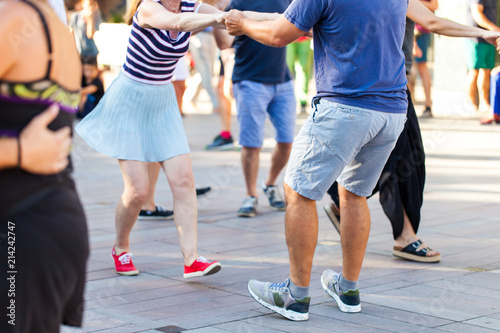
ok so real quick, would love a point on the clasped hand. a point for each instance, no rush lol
(233, 20)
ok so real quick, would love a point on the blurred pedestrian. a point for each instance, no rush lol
(299, 57)
(262, 87)
(92, 86)
(421, 50)
(202, 48)
(224, 140)
(84, 24)
(494, 117)
(480, 54)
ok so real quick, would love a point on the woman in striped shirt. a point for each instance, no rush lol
(138, 122)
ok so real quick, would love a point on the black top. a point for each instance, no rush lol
(20, 102)
(100, 88)
(255, 61)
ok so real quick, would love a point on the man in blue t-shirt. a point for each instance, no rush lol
(262, 86)
(357, 116)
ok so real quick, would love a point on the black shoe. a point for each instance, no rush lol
(427, 112)
(220, 143)
(333, 214)
(159, 213)
(202, 190)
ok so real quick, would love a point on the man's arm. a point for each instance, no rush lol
(278, 33)
(223, 39)
(421, 15)
(481, 20)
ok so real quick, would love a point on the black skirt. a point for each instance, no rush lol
(43, 254)
(401, 184)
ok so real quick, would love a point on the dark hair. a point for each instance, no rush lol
(89, 60)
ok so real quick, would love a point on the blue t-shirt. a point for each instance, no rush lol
(358, 54)
(253, 60)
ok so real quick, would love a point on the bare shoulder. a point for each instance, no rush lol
(16, 11)
(18, 20)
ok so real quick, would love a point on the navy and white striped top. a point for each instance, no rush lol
(152, 54)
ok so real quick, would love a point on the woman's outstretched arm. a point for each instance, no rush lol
(153, 15)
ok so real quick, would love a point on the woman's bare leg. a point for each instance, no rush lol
(181, 180)
(136, 188)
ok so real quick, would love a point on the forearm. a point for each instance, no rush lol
(483, 22)
(256, 16)
(154, 15)
(184, 22)
(263, 32)
(450, 28)
(9, 155)
(421, 15)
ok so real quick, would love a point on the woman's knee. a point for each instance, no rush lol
(182, 179)
(137, 193)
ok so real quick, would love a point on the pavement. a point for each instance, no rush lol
(460, 218)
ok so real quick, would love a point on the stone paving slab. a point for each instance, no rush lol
(460, 218)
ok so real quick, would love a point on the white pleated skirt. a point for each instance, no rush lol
(136, 121)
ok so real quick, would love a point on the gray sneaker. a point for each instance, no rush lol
(275, 199)
(249, 207)
(347, 301)
(277, 297)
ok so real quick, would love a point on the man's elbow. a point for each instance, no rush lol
(279, 41)
(434, 25)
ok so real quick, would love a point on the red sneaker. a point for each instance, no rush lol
(200, 267)
(123, 263)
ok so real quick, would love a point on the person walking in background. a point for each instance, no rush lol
(480, 54)
(494, 98)
(84, 24)
(224, 140)
(262, 86)
(92, 86)
(41, 217)
(420, 51)
(202, 48)
(139, 123)
(299, 57)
